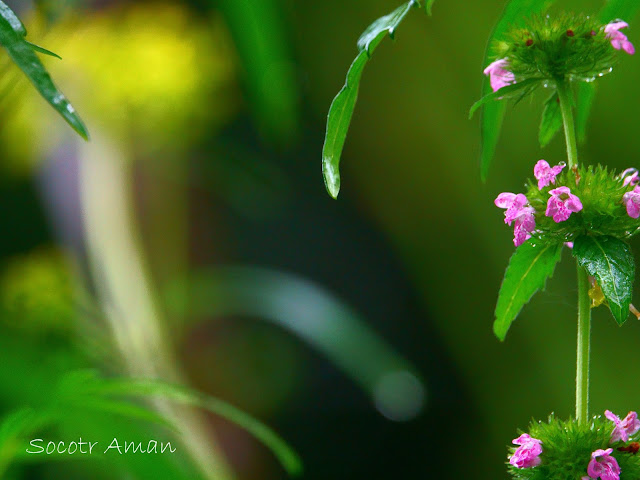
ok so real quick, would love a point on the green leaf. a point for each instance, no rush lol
(515, 13)
(38, 48)
(551, 121)
(429, 6)
(259, 30)
(610, 260)
(341, 109)
(505, 92)
(96, 386)
(613, 9)
(528, 270)
(12, 34)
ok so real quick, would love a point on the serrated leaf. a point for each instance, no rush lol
(610, 261)
(528, 270)
(505, 93)
(515, 13)
(341, 110)
(613, 9)
(12, 34)
(551, 121)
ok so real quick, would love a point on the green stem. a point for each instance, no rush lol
(584, 302)
(584, 334)
(564, 95)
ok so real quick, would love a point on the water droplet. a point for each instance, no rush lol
(563, 164)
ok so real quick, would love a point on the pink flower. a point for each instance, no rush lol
(562, 204)
(499, 76)
(528, 453)
(630, 177)
(632, 201)
(520, 212)
(618, 39)
(623, 428)
(603, 465)
(546, 174)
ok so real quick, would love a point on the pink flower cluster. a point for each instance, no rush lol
(623, 428)
(603, 466)
(618, 39)
(500, 76)
(560, 205)
(527, 455)
(631, 199)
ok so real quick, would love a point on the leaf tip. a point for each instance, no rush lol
(331, 176)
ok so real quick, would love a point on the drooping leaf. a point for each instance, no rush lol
(505, 92)
(528, 270)
(341, 109)
(612, 10)
(97, 387)
(610, 261)
(12, 34)
(551, 121)
(515, 13)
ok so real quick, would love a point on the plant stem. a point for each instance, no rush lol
(584, 336)
(564, 95)
(584, 302)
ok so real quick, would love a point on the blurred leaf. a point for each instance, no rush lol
(315, 316)
(609, 260)
(341, 109)
(551, 121)
(613, 9)
(429, 6)
(507, 92)
(258, 31)
(12, 34)
(528, 270)
(515, 13)
(96, 386)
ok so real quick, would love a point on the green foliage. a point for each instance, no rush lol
(85, 392)
(613, 9)
(341, 109)
(565, 46)
(519, 90)
(12, 33)
(567, 447)
(493, 113)
(551, 121)
(528, 270)
(600, 191)
(610, 261)
(258, 31)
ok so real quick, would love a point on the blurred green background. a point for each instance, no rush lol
(192, 238)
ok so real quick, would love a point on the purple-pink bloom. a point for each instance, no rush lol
(499, 76)
(618, 39)
(603, 465)
(520, 212)
(546, 174)
(623, 428)
(562, 204)
(632, 202)
(528, 453)
(630, 177)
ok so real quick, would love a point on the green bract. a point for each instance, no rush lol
(567, 447)
(603, 213)
(570, 46)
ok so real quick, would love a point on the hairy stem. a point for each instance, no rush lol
(564, 95)
(584, 302)
(584, 334)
